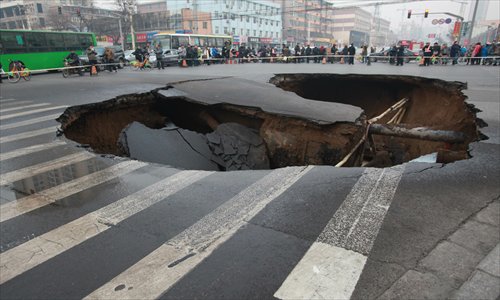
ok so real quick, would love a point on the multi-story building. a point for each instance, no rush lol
(380, 32)
(352, 25)
(254, 22)
(152, 16)
(307, 21)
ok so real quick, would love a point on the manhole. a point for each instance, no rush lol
(427, 116)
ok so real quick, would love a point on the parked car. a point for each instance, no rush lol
(119, 56)
(170, 57)
(409, 56)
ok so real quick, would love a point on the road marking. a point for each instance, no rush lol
(42, 248)
(30, 150)
(29, 122)
(10, 116)
(7, 100)
(51, 195)
(162, 268)
(22, 107)
(28, 134)
(44, 167)
(16, 103)
(331, 267)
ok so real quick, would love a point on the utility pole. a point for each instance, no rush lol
(195, 16)
(471, 27)
(130, 5)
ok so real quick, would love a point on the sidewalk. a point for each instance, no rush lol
(466, 265)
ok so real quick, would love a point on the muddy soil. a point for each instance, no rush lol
(288, 141)
(434, 104)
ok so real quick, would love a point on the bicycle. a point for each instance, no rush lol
(141, 66)
(17, 70)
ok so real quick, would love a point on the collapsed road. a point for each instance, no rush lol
(176, 127)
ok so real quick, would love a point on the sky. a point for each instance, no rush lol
(397, 13)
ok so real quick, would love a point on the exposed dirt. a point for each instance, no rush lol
(291, 141)
(435, 104)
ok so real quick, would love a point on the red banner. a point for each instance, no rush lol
(141, 37)
(456, 29)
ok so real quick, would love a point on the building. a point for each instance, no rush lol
(352, 25)
(380, 32)
(152, 16)
(307, 22)
(253, 22)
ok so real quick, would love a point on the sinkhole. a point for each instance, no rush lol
(402, 118)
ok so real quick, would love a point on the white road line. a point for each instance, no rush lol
(28, 134)
(7, 100)
(30, 150)
(22, 107)
(42, 248)
(331, 268)
(15, 208)
(15, 103)
(162, 268)
(10, 116)
(44, 167)
(29, 122)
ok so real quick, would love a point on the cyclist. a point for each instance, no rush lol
(74, 60)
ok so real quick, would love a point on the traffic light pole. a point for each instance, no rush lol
(469, 36)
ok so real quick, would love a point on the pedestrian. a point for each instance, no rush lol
(427, 54)
(159, 56)
(92, 56)
(333, 52)
(364, 54)
(476, 54)
(109, 56)
(455, 52)
(400, 55)
(315, 53)
(351, 51)
(308, 53)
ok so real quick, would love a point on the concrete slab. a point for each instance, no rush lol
(477, 237)
(268, 97)
(416, 285)
(490, 214)
(451, 262)
(491, 263)
(480, 286)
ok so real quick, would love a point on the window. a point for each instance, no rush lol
(260, 33)
(42, 22)
(39, 7)
(225, 30)
(255, 33)
(248, 19)
(241, 31)
(13, 42)
(205, 25)
(36, 42)
(248, 32)
(233, 31)
(9, 12)
(217, 29)
(1, 13)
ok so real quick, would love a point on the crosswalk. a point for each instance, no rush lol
(135, 230)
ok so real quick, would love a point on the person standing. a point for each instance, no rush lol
(308, 53)
(334, 51)
(159, 56)
(92, 56)
(351, 51)
(364, 54)
(427, 54)
(400, 55)
(109, 56)
(455, 52)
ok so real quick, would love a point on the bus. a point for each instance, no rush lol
(41, 49)
(175, 40)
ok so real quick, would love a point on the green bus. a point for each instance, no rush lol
(41, 49)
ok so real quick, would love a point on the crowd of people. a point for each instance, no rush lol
(477, 54)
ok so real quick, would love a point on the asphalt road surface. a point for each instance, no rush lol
(75, 224)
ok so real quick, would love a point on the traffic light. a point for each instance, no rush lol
(426, 14)
(78, 13)
(409, 13)
(59, 10)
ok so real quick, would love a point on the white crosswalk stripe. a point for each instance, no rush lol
(44, 167)
(14, 103)
(15, 208)
(151, 276)
(30, 112)
(28, 134)
(29, 122)
(40, 249)
(30, 150)
(2, 111)
(332, 266)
